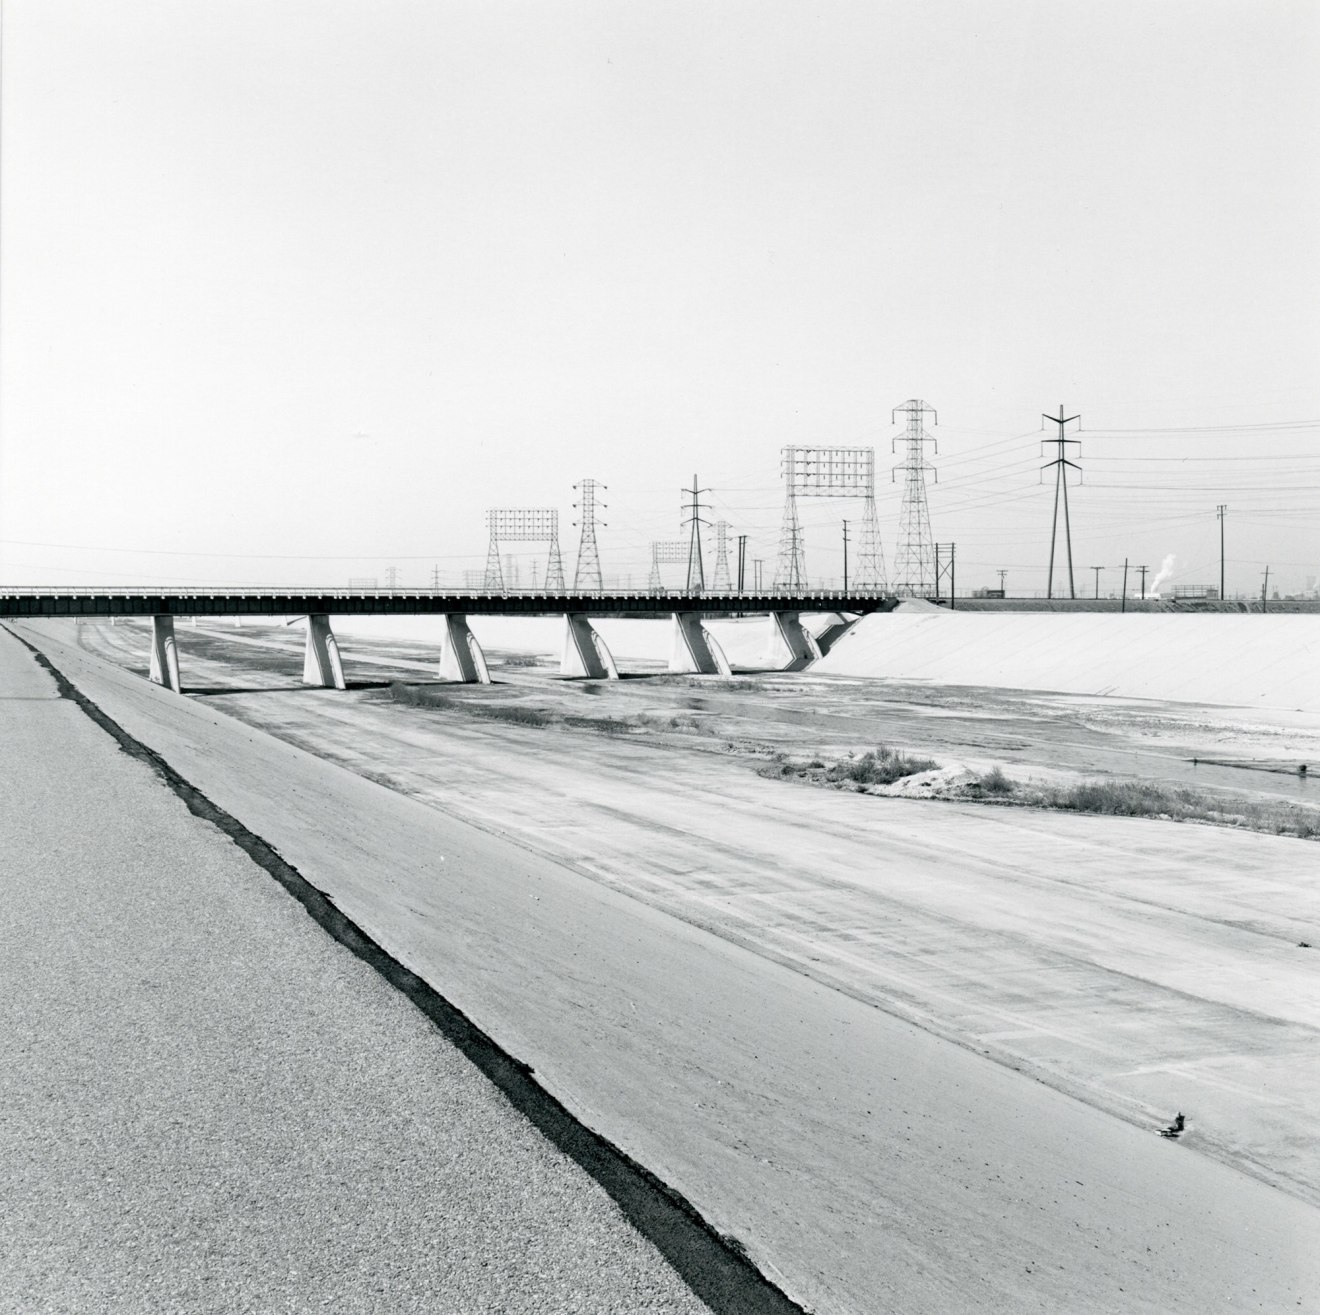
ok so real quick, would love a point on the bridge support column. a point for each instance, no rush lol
(585, 652)
(791, 646)
(835, 631)
(461, 658)
(321, 662)
(694, 649)
(164, 654)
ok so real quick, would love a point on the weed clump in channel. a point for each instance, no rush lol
(879, 766)
(995, 782)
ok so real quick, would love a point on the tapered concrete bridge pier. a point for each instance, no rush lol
(461, 658)
(321, 663)
(694, 650)
(164, 668)
(585, 650)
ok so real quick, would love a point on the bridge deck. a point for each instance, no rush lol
(359, 602)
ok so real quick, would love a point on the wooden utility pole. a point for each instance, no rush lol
(1097, 570)
(742, 559)
(1143, 570)
(1123, 608)
(845, 557)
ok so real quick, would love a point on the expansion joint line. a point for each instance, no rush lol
(714, 1265)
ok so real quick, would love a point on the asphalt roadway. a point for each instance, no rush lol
(207, 1104)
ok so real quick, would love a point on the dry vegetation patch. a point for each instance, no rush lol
(879, 766)
(1126, 798)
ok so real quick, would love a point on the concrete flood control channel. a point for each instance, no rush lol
(752, 1088)
(717, 1275)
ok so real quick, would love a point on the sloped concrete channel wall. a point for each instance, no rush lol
(1240, 660)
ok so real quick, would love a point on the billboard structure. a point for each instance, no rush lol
(829, 472)
(523, 525)
(662, 551)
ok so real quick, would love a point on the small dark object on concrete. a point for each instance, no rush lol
(1301, 771)
(1174, 1129)
(1303, 945)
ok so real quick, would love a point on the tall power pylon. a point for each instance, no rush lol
(791, 572)
(1060, 466)
(721, 581)
(696, 575)
(914, 570)
(587, 574)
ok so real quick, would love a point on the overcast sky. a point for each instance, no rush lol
(290, 292)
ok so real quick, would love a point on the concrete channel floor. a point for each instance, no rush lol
(206, 1104)
(863, 1163)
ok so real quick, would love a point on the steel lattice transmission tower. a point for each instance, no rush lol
(587, 576)
(524, 525)
(914, 570)
(721, 581)
(791, 571)
(828, 472)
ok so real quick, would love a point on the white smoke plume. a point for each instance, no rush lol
(1165, 571)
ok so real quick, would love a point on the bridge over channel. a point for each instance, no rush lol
(790, 645)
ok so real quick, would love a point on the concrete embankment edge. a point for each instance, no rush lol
(1230, 660)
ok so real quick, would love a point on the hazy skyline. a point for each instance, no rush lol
(290, 292)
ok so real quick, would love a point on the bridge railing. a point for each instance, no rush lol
(322, 591)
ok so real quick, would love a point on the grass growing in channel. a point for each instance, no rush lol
(1152, 799)
(1147, 799)
(1112, 798)
(879, 766)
